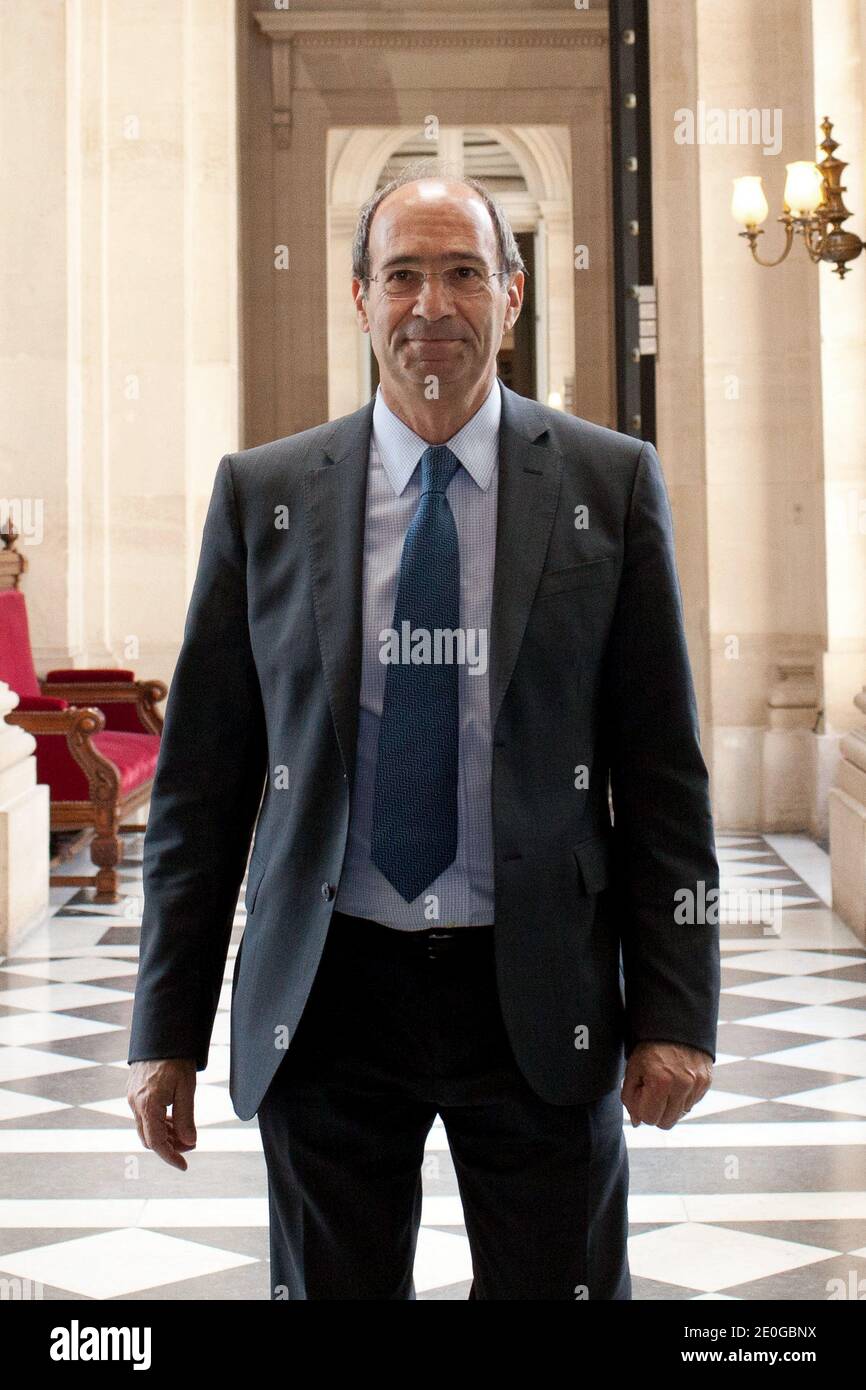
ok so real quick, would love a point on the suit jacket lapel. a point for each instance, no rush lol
(529, 477)
(335, 496)
(335, 493)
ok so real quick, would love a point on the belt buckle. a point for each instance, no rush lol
(439, 938)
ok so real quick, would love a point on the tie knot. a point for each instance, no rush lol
(438, 466)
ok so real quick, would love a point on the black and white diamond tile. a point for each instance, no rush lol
(759, 1193)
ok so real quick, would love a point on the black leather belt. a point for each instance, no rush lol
(434, 940)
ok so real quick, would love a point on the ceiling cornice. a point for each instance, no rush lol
(307, 29)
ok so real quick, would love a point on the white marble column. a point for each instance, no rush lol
(759, 380)
(118, 312)
(840, 51)
(839, 56)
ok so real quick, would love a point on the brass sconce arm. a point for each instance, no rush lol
(752, 234)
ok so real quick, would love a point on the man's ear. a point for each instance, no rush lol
(359, 300)
(515, 302)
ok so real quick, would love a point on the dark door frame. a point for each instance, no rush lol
(631, 164)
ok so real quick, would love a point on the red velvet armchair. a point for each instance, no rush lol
(97, 741)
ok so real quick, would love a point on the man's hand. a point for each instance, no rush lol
(153, 1087)
(663, 1081)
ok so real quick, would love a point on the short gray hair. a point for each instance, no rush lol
(509, 253)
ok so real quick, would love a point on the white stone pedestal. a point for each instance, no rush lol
(847, 798)
(24, 842)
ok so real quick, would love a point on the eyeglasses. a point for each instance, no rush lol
(461, 281)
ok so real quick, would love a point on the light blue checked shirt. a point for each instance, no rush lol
(465, 889)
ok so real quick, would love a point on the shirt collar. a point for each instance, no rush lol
(476, 444)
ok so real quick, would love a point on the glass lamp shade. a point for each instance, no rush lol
(749, 205)
(804, 187)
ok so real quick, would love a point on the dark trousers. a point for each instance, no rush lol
(400, 1027)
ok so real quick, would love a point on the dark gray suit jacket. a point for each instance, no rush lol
(588, 667)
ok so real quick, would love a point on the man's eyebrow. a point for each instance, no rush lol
(460, 256)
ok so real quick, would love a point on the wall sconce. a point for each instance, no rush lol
(813, 209)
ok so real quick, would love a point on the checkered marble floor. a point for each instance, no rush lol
(759, 1193)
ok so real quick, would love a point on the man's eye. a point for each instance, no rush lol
(467, 272)
(394, 276)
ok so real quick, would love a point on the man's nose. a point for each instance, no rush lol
(434, 301)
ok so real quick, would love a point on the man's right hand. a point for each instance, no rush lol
(153, 1087)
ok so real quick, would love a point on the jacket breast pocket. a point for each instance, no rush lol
(589, 572)
(594, 863)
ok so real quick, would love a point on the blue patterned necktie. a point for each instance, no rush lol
(414, 828)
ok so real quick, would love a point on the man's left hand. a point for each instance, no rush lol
(663, 1081)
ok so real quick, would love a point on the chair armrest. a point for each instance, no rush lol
(143, 696)
(55, 717)
(76, 724)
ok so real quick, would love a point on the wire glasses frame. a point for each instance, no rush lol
(455, 278)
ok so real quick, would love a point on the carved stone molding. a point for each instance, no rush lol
(375, 23)
(442, 39)
(793, 698)
(291, 29)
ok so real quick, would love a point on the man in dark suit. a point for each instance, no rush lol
(427, 687)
